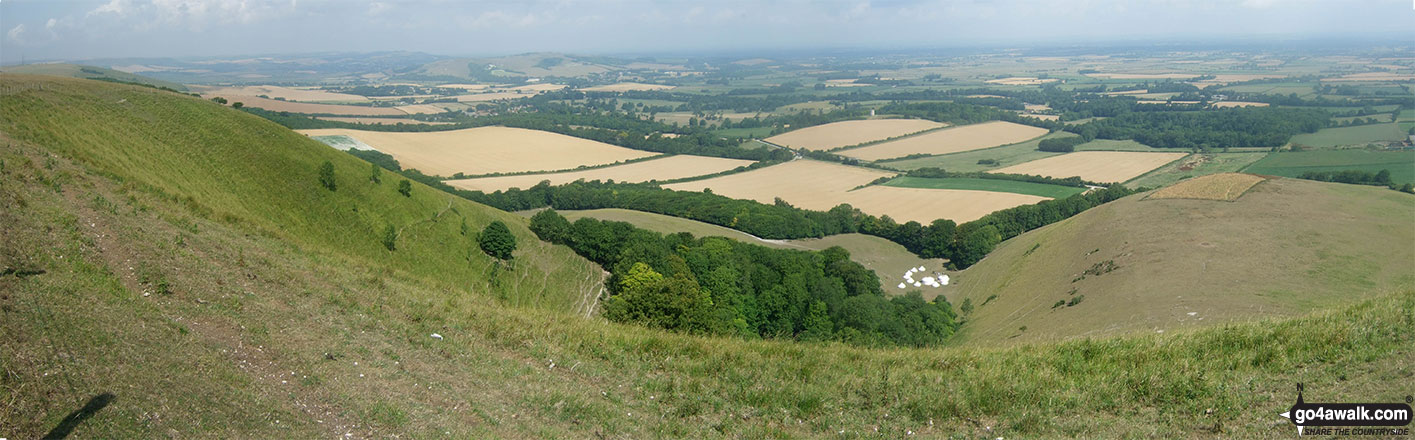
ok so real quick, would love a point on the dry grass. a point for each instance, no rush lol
(303, 94)
(1225, 186)
(308, 108)
(847, 133)
(428, 109)
(486, 150)
(951, 140)
(626, 87)
(1095, 166)
(667, 168)
(379, 121)
(818, 185)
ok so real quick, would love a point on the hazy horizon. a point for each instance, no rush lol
(79, 30)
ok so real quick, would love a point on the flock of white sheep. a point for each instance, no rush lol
(935, 282)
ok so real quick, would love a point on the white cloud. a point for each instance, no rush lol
(116, 7)
(17, 34)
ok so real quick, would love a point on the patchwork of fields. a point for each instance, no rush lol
(310, 108)
(1095, 166)
(1358, 135)
(1292, 164)
(950, 140)
(666, 168)
(846, 133)
(820, 186)
(486, 150)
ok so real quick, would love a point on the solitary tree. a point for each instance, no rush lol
(326, 175)
(496, 240)
(405, 188)
(390, 237)
(238, 104)
(375, 173)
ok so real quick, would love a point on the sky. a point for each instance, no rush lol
(84, 29)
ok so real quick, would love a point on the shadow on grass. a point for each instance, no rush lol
(79, 415)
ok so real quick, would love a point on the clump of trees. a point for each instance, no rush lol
(1236, 127)
(1060, 145)
(714, 285)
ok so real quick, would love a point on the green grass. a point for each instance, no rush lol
(274, 329)
(1359, 135)
(998, 185)
(1116, 145)
(1213, 163)
(1291, 164)
(967, 161)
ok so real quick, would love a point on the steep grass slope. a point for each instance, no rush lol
(129, 312)
(244, 170)
(1285, 247)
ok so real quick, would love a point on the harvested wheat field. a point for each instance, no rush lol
(426, 109)
(1143, 75)
(666, 168)
(308, 108)
(303, 94)
(950, 140)
(820, 186)
(379, 121)
(1095, 166)
(486, 150)
(626, 87)
(805, 183)
(464, 86)
(1224, 187)
(1020, 81)
(925, 205)
(846, 133)
(1232, 104)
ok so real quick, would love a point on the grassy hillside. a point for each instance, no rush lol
(241, 169)
(286, 333)
(89, 72)
(1285, 248)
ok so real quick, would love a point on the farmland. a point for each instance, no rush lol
(949, 140)
(821, 185)
(995, 185)
(305, 94)
(379, 121)
(1195, 165)
(846, 133)
(1292, 164)
(1225, 187)
(666, 168)
(968, 161)
(487, 150)
(1358, 135)
(625, 87)
(1095, 166)
(309, 108)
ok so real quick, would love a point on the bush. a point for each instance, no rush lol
(496, 240)
(375, 173)
(326, 175)
(390, 237)
(1075, 300)
(405, 188)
